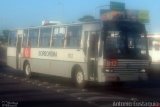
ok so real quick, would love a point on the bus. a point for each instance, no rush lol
(101, 52)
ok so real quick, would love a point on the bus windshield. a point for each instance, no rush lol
(125, 44)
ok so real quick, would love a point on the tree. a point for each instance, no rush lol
(87, 18)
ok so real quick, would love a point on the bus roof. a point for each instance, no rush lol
(58, 25)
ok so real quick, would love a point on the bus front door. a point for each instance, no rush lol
(18, 50)
(92, 55)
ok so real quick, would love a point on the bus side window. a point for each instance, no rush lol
(12, 39)
(44, 39)
(33, 38)
(52, 37)
(93, 44)
(25, 36)
(68, 38)
(58, 37)
(73, 37)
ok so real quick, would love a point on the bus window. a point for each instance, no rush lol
(73, 37)
(45, 35)
(33, 37)
(58, 38)
(93, 43)
(12, 39)
(25, 37)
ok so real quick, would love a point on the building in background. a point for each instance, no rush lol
(154, 47)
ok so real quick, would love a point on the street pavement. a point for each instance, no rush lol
(44, 91)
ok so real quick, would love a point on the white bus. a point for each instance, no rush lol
(93, 51)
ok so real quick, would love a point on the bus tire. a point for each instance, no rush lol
(78, 78)
(27, 70)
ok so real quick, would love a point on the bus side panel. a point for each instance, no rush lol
(11, 57)
(60, 68)
(40, 65)
(58, 62)
(64, 68)
(11, 61)
(37, 65)
(55, 67)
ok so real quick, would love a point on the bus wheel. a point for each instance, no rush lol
(79, 78)
(27, 70)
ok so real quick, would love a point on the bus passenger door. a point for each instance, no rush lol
(18, 50)
(92, 55)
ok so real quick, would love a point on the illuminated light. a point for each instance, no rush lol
(111, 63)
(107, 70)
(143, 70)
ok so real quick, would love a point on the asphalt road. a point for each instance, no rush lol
(43, 91)
(15, 88)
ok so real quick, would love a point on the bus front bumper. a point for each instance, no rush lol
(124, 77)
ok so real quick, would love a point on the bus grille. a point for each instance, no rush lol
(130, 65)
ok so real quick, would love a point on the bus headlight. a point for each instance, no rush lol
(108, 71)
(142, 70)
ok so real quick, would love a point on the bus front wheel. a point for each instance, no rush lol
(27, 70)
(79, 78)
